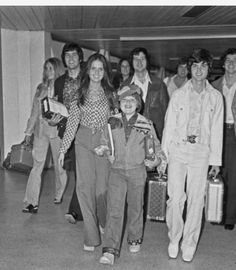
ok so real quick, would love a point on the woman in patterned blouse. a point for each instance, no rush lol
(88, 116)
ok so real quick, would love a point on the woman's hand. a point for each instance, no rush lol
(61, 159)
(56, 118)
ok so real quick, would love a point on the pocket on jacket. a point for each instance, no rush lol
(180, 115)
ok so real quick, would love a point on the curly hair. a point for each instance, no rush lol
(226, 53)
(68, 47)
(200, 55)
(137, 51)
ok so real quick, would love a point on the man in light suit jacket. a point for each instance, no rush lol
(227, 86)
(192, 141)
(154, 92)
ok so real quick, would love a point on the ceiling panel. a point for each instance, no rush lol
(30, 19)
(14, 16)
(161, 29)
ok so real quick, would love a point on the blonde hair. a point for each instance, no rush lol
(58, 68)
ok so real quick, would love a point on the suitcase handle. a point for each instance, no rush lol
(214, 178)
(28, 146)
(160, 177)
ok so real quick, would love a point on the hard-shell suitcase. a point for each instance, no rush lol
(157, 194)
(214, 199)
(21, 157)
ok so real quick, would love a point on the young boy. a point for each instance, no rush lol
(128, 172)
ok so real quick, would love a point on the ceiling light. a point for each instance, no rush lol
(136, 38)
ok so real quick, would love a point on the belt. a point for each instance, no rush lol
(229, 126)
(192, 139)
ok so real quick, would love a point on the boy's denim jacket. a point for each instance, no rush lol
(130, 154)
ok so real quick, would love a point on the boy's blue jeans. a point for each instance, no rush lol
(122, 185)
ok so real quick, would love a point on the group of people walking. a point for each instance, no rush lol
(190, 120)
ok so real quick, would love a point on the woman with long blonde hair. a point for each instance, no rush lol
(45, 135)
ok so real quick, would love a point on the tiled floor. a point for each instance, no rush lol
(46, 241)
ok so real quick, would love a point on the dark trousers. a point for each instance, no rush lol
(229, 174)
(74, 206)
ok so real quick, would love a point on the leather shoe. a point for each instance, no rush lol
(173, 250)
(30, 209)
(107, 258)
(188, 254)
(229, 227)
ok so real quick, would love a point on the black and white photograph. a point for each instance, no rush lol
(118, 135)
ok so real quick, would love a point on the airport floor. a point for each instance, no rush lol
(46, 241)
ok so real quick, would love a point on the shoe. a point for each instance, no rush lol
(57, 201)
(188, 254)
(30, 209)
(134, 248)
(173, 250)
(107, 258)
(89, 248)
(215, 223)
(71, 217)
(229, 227)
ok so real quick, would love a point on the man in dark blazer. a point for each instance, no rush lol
(154, 92)
(66, 87)
(227, 86)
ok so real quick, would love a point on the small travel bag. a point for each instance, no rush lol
(157, 195)
(21, 157)
(214, 199)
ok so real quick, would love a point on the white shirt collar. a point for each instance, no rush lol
(135, 78)
(225, 84)
(206, 88)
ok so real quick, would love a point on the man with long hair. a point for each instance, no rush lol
(66, 88)
(154, 92)
(192, 141)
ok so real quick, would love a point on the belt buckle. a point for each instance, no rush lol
(191, 138)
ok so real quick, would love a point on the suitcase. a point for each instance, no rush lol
(214, 199)
(21, 157)
(157, 195)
